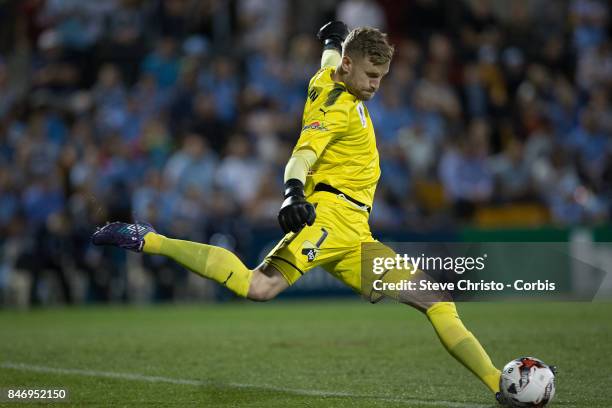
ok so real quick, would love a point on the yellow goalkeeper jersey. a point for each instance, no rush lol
(337, 127)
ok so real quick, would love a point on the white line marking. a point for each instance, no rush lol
(179, 381)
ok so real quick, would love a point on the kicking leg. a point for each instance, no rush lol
(453, 335)
(442, 314)
(462, 344)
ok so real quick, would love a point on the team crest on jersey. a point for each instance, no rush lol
(315, 126)
(311, 253)
(312, 250)
(362, 114)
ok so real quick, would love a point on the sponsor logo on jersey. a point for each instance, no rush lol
(315, 126)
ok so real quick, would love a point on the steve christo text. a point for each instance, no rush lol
(465, 285)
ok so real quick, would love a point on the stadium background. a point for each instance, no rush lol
(495, 123)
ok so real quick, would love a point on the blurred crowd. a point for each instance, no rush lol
(183, 113)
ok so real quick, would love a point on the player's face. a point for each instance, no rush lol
(363, 77)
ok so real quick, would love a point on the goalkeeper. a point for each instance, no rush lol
(330, 181)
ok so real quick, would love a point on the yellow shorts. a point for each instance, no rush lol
(334, 242)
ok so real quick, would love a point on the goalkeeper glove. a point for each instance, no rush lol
(333, 34)
(295, 211)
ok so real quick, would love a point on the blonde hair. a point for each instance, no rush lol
(368, 42)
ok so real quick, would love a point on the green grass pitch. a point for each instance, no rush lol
(305, 354)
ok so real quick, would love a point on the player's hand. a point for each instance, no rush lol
(333, 34)
(295, 212)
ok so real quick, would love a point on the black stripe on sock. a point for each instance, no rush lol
(228, 278)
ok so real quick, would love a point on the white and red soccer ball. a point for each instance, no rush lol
(527, 382)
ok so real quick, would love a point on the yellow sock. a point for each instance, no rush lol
(462, 344)
(209, 261)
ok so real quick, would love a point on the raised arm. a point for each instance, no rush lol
(295, 212)
(332, 34)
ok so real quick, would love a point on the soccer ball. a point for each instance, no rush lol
(527, 382)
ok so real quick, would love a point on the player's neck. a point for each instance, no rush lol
(339, 74)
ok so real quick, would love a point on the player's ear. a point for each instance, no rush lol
(346, 63)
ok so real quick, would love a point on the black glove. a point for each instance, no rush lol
(295, 211)
(333, 34)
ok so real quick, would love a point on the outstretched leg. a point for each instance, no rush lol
(212, 262)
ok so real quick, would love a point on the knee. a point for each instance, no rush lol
(264, 287)
(260, 292)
